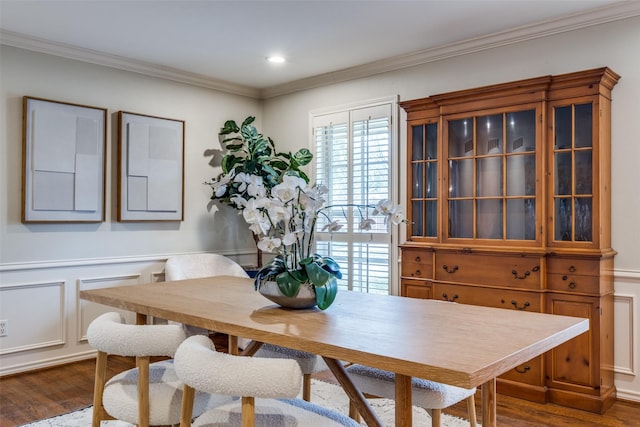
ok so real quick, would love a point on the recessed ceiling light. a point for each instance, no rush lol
(275, 59)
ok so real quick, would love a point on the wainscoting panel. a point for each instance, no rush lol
(35, 315)
(627, 339)
(47, 321)
(624, 327)
(87, 310)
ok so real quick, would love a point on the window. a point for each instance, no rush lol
(354, 158)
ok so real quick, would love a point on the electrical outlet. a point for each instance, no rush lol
(3, 328)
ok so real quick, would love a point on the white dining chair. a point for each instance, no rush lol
(430, 395)
(193, 266)
(150, 393)
(267, 387)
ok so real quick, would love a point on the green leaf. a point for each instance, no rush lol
(303, 156)
(230, 126)
(235, 147)
(326, 285)
(279, 164)
(289, 282)
(248, 121)
(303, 176)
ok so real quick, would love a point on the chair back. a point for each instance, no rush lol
(200, 366)
(108, 333)
(193, 266)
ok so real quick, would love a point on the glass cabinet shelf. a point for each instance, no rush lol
(492, 176)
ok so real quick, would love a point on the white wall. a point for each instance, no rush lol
(614, 45)
(204, 111)
(42, 267)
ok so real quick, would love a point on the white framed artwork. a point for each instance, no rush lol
(64, 162)
(150, 168)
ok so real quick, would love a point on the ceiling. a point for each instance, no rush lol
(224, 44)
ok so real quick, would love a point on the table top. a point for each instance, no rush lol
(457, 344)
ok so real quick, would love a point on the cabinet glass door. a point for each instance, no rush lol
(424, 180)
(492, 176)
(573, 172)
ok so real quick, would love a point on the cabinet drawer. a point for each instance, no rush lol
(491, 270)
(574, 283)
(416, 289)
(500, 298)
(573, 266)
(530, 372)
(417, 263)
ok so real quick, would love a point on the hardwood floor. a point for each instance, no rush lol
(41, 394)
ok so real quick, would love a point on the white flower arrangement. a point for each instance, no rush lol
(282, 210)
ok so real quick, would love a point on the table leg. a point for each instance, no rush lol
(233, 345)
(141, 319)
(356, 396)
(489, 403)
(404, 407)
(251, 349)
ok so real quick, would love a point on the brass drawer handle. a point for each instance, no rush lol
(526, 273)
(572, 269)
(524, 276)
(417, 273)
(446, 297)
(448, 270)
(524, 307)
(572, 284)
(523, 371)
(418, 259)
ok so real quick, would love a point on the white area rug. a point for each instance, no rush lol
(324, 394)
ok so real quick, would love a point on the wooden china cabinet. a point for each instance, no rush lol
(508, 199)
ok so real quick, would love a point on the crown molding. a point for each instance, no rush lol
(614, 12)
(114, 61)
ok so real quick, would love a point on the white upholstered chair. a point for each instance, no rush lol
(267, 388)
(183, 267)
(429, 395)
(149, 394)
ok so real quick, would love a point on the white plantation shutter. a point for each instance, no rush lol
(353, 158)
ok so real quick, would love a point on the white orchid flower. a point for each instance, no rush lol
(284, 192)
(251, 212)
(261, 227)
(244, 180)
(219, 190)
(255, 187)
(385, 207)
(268, 244)
(219, 186)
(278, 213)
(332, 226)
(239, 201)
(366, 224)
(396, 218)
(290, 238)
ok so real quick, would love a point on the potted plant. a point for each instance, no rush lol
(282, 210)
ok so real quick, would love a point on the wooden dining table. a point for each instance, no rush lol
(462, 345)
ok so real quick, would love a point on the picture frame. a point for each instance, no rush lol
(150, 168)
(64, 161)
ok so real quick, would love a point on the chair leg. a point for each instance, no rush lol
(248, 411)
(471, 408)
(435, 417)
(142, 363)
(186, 412)
(306, 387)
(98, 388)
(353, 412)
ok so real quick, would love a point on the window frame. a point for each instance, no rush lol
(338, 113)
